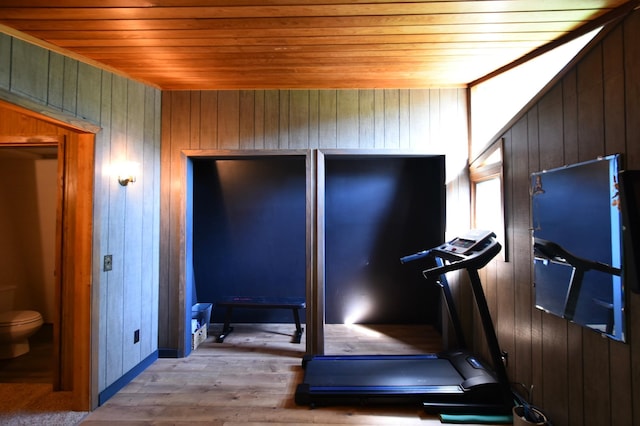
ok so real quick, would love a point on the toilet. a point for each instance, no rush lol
(16, 327)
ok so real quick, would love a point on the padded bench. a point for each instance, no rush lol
(259, 302)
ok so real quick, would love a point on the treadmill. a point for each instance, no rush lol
(451, 382)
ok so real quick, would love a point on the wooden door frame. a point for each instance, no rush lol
(75, 300)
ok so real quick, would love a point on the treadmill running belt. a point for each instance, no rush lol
(437, 374)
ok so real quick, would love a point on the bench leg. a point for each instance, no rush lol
(298, 334)
(226, 329)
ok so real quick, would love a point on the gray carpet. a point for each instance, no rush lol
(59, 418)
(36, 404)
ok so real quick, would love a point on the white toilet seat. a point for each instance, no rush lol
(14, 318)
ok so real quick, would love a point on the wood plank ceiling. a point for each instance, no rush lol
(288, 44)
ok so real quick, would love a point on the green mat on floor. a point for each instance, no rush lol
(476, 418)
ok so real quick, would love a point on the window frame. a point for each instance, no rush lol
(484, 168)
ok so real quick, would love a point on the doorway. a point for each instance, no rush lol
(72, 344)
(249, 232)
(28, 225)
(253, 215)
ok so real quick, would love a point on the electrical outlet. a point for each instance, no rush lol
(107, 264)
(136, 336)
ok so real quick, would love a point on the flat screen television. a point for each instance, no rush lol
(578, 244)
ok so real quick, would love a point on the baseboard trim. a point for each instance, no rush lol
(124, 380)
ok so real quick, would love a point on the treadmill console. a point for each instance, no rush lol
(472, 250)
(466, 243)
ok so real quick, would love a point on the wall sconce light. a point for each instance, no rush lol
(126, 172)
(124, 181)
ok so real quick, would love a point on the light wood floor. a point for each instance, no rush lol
(251, 378)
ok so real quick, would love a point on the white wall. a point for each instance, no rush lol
(46, 171)
(11, 208)
(27, 225)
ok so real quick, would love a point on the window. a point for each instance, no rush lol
(487, 199)
(495, 101)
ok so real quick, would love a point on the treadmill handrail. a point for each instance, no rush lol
(411, 257)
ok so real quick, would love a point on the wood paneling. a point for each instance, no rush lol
(303, 44)
(105, 119)
(579, 377)
(286, 119)
(631, 32)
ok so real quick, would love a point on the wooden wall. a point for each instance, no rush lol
(126, 118)
(579, 377)
(432, 121)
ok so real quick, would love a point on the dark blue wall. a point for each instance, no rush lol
(249, 234)
(378, 210)
(249, 231)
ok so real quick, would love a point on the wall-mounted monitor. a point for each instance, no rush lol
(577, 243)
